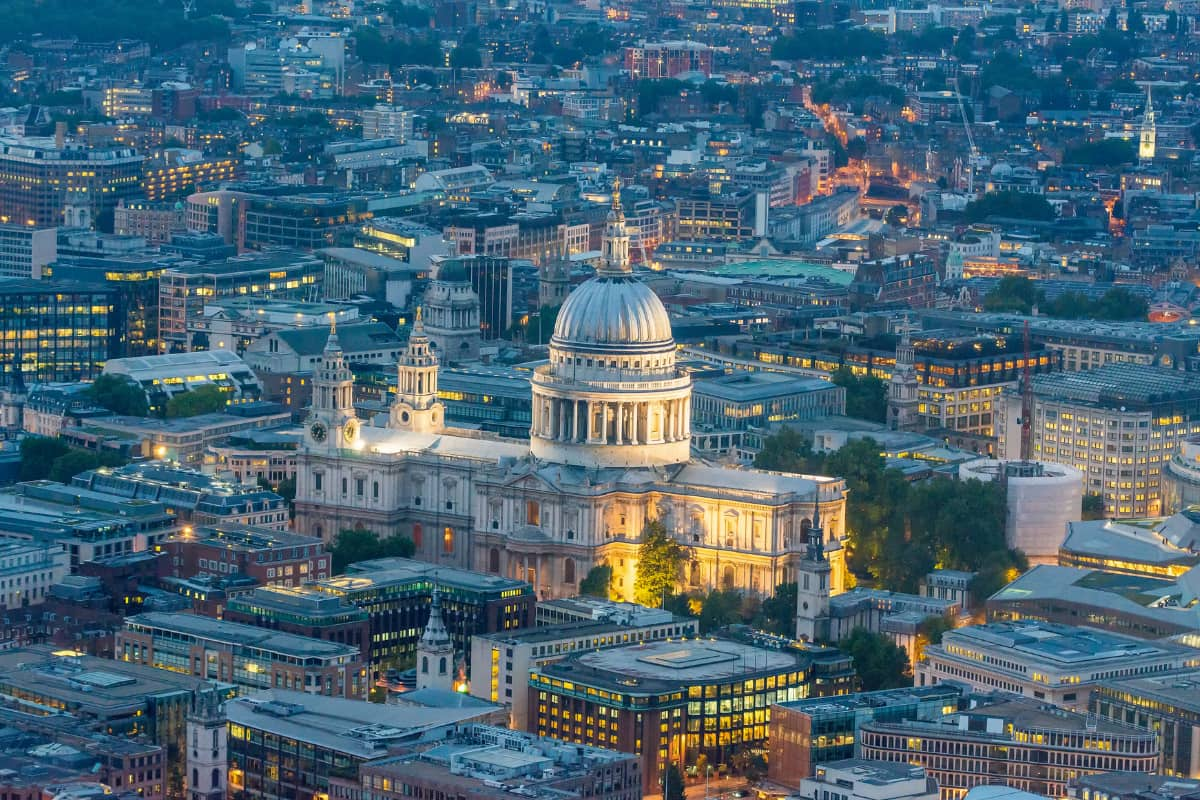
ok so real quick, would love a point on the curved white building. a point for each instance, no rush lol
(1042, 499)
(1181, 477)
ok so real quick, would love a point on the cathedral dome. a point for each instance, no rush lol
(613, 313)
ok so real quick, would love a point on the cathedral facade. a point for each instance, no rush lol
(609, 451)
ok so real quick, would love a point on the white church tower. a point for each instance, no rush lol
(332, 424)
(417, 407)
(435, 651)
(1148, 137)
(903, 389)
(813, 586)
(207, 751)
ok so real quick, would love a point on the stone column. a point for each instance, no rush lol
(619, 411)
(634, 411)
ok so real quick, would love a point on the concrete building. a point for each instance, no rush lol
(1022, 743)
(757, 399)
(332, 737)
(490, 763)
(298, 351)
(1119, 425)
(1042, 499)
(859, 779)
(647, 699)
(37, 175)
(1132, 785)
(269, 556)
(387, 122)
(25, 251)
(654, 60)
(1162, 548)
(248, 657)
(1131, 605)
(1181, 477)
(451, 309)
(28, 570)
(196, 498)
(1167, 704)
(819, 730)
(167, 376)
(502, 662)
(1045, 661)
(304, 613)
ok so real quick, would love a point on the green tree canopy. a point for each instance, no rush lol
(205, 399)
(672, 783)
(352, 546)
(1017, 205)
(866, 395)
(38, 454)
(660, 559)
(597, 582)
(879, 662)
(119, 394)
(1092, 506)
(1013, 293)
(778, 612)
(1101, 153)
(829, 43)
(720, 607)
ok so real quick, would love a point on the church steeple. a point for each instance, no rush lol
(1148, 136)
(814, 584)
(417, 407)
(616, 238)
(435, 650)
(904, 387)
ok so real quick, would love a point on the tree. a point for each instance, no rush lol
(1013, 293)
(1101, 153)
(1017, 205)
(1110, 21)
(964, 44)
(866, 396)
(465, 57)
(73, 462)
(778, 612)
(856, 148)
(597, 582)
(352, 546)
(119, 394)
(660, 559)
(720, 607)
(672, 783)
(205, 399)
(786, 451)
(897, 215)
(1092, 506)
(38, 454)
(879, 662)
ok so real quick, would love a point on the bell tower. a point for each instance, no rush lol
(813, 585)
(207, 755)
(435, 651)
(1148, 136)
(332, 423)
(904, 387)
(417, 407)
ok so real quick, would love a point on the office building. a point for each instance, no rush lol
(26, 252)
(819, 730)
(489, 763)
(196, 498)
(271, 557)
(1132, 605)
(1166, 704)
(293, 351)
(1133, 786)
(57, 331)
(250, 658)
(164, 377)
(1045, 661)
(184, 290)
(1157, 548)
(492, 398)
(180, 173)
(705, 217)
(660, 700)
(27, 571)
(387, 122)
(117, 697)
(744, 400)
(654, 60)
(154, 222)
(397, 593)
(37, 175)
(502, 662)
(330, 739)
(1119, 425)
(304, 612)
(1021, 743)
(860, 779)
(1181, 477)
(491, 279)
(352, 273)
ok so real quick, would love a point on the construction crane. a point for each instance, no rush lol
(1027, 399)
(975, 160)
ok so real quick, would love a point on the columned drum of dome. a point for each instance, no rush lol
(612, 395)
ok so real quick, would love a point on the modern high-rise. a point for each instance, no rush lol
(387, 122)
(57, 330)
(37, 174)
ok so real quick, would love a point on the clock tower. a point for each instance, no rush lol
(332, 424)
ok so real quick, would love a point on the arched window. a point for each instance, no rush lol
(416, 535)
(533, 513)
(216, 778)
(727, 580)
(195, 778)
(424, 665)
(695, 573)
(448, 540)
(494, 560)
(442, 666)
(569, 570)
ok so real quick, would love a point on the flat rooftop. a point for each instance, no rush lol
(850, 703)
(234, 633)
(1051, 643)
(745, 387)
(382, 571)
(1178, 689)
